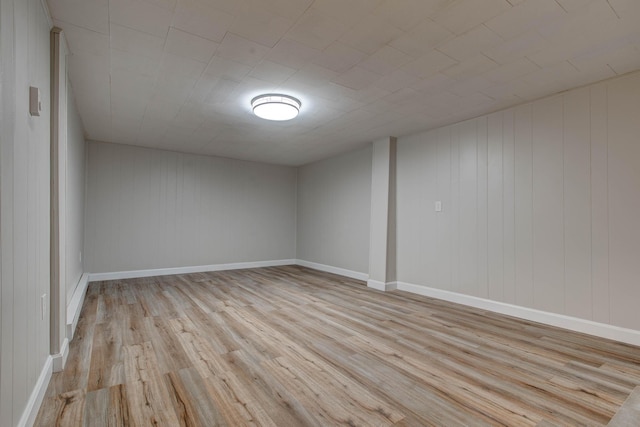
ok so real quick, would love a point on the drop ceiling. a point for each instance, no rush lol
(180, 74)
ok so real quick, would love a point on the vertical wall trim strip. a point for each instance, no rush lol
(54, 206)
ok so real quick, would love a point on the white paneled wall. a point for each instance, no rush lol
(75, 196)
(149, 209)
(540, 205)
(334, 202)
(24, 208)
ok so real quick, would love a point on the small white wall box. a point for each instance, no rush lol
(35, 105)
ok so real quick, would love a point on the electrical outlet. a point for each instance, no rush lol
(438, 206)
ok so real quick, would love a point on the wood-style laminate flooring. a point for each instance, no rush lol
(290, 346)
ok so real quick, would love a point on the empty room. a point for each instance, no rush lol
(319, 212)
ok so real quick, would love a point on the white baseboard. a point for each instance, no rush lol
(335, 270)
(382, 286)
(602, 330)
(75, 305)
(37, 395)
(95, 277)
(60, 359)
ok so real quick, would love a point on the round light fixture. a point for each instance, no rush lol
(275, 106)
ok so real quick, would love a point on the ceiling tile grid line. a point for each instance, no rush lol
(180, 74)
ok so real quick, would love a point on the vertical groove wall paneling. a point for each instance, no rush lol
(577, 204)
(153, 209)
(523, 187)
(508, 210)
(495, 208)
(548, 205)
(623, 107)
(468, 207)
(444, 218)
(599, 204)
(333, 210)
(483, 214)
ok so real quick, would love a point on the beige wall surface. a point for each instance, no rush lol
(334, 202)
(149, 209)
(540, 205)
(24, 204)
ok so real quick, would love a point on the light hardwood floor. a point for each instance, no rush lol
(290, 346)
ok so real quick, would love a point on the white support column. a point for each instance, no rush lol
(382, 234)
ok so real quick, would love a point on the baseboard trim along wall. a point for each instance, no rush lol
(575, 324)
(37, 395)
(75, 305)
(602, 330)
(60, 359)
(134, 274)
(382, 286)
(335, 270)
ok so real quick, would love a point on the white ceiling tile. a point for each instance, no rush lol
(513, 70)
(396, 80)
(625, 7)
(241, 50)
(370, 34)
(572, 5)
(552, 74)
(162, 107)
(292, 53)
(141, 15)
(202, 19)
(174, 87)
(519, 47)
(462, 15)
(125, 83)
(312, 73)
(429, 64)
(624, 60)
(339, 57)
(470, 85)
(272, 72)
(317, 30)
(261, 26)
(189, 46)
(135, 63)
(476, 65)
(421, 38)
(434, 84)
(386, 60)
(90, 69)
(136, 42)
(590, 22)
(393, 77)
(82, 40)
(181, 67)
(348, 12)
(357, 78)
(290, 9)
(403, 96)
(221, 67)
(470, 43)
(526, 16)
(90, 14)
(406, 14)
(128, 108)
(367, 95)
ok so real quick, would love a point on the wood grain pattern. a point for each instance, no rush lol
(290, 346)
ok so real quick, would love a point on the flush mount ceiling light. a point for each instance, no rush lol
(275, 106)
